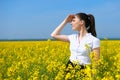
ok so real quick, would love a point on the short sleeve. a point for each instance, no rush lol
(96, 43)
(71, 37)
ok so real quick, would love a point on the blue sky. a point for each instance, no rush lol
(36, 19)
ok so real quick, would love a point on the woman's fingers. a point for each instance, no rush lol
(72, 15)
(69, 18)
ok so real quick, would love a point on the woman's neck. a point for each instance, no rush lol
(82, 33)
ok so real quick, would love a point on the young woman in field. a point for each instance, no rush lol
(85, 25)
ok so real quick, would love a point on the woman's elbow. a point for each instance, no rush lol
(53, 35)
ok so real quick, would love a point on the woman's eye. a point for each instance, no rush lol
(73, 20)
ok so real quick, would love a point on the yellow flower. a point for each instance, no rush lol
(19, 78)
(87, 46)
(117, 76)
(75, 62)
(68, 76)
(46, 60)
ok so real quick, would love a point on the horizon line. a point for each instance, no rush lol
(44, 39)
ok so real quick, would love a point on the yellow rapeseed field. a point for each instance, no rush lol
(46, 60)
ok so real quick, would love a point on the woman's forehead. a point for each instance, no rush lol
(76, 17)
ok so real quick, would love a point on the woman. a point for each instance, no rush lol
(85, 25)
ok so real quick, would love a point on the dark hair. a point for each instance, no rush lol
(89, 22)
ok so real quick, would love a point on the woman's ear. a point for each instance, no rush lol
(81, 22)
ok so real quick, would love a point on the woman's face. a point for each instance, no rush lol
(76, 23)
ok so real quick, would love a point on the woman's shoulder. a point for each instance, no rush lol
(93, 38)
(73, 35)
(95, 41)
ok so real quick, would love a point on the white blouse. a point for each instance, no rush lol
(80, 51)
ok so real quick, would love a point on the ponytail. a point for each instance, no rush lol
(91, 28)
(89, 22)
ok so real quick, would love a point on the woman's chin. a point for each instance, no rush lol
(73, 29)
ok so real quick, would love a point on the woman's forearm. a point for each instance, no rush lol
(58, 29)
(56, 33)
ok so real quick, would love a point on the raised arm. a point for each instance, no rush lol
(56, 33)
